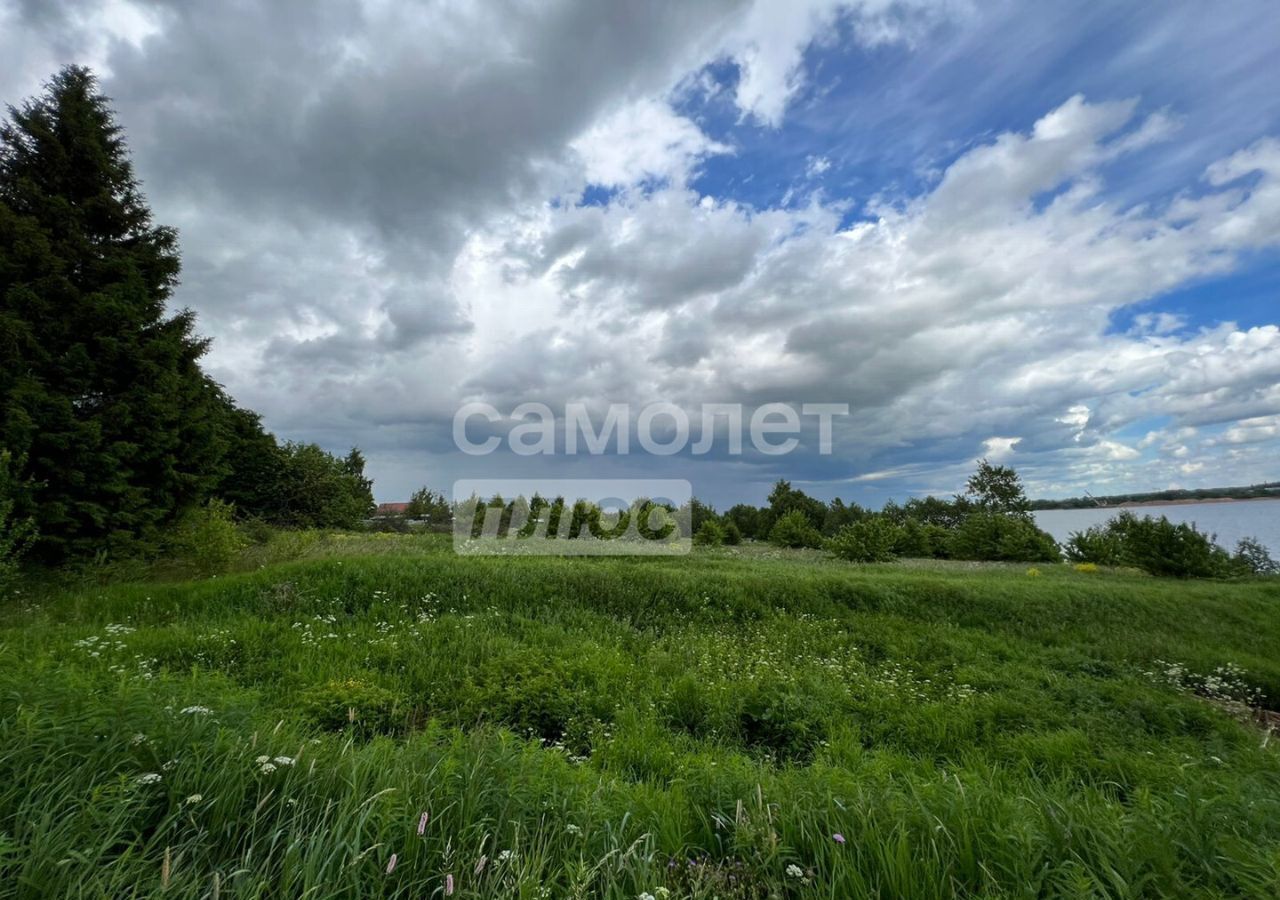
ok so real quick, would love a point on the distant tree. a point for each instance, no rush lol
(938, 512)
(710, 534)
(998, 489)
(793, 529)
(655, 521)
(839, 515)
(696, 513)
(555, 513)
(428, 505)
(784, 499)
(732, 534)
(751, 521)
(518, 514)
(100, 389)
(320, 490)
(253, 465)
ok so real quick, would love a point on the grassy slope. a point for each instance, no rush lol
(968, 730)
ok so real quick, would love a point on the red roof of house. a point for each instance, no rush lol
(390, 509)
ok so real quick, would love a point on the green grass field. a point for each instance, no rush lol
(381, 717)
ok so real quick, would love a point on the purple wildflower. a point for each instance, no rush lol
(838, 838)
(422, 823)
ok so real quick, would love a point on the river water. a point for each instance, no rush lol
(1230, 521)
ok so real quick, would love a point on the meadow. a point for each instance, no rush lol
(360, 715)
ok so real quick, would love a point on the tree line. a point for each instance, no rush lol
(1267, 490)
(110, 429)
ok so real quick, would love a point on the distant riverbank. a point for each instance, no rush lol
(1196, 501)
(1233, 494)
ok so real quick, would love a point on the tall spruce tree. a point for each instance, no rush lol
(101, 394)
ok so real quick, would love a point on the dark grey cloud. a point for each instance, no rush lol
(365, 195)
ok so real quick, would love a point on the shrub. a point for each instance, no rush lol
(1099, 545)
(1157, 546)
(871, 540)
(709, 534)
(921, 540)
(1252, 558)
(208, 537)
(793, 529)
(732, 534)
(998, 537)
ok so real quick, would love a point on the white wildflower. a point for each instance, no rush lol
(267, 768)
(148, 778)
(196, 711)
(283, 760)
(795, 871)
(194, 799)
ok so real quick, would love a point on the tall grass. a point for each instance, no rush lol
(703, 726)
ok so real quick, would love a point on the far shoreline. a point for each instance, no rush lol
(1197, 501)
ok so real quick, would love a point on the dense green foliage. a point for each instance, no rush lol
(1253, 558)
(102, 400)
(16, 534)
(1161, 547)
(989, 535)
(997, 489)
(967, 731)
(207, 537)
(794, 529)
(430, 506)
(873, 539)
(709, 535)
(102, 395)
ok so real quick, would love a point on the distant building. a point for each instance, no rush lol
(391, 509)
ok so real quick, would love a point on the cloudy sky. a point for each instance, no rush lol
(1044, 233)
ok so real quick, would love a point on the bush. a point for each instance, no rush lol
(1099, 545)
(732, 535)
(793, 529)
(709, 535)
(871, 540)
(1252, 558)
(1157, 546)
(921, 540)
(999, 537)
(208, 537)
